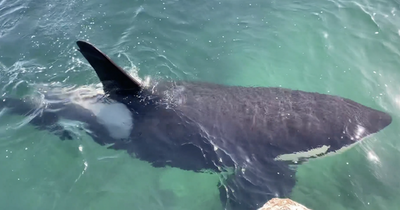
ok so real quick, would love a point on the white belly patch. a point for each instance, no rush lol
(116, 117)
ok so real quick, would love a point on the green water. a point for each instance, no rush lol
(345, 48)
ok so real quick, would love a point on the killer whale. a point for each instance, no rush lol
(202, 126)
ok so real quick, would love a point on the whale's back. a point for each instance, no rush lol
(277, 120)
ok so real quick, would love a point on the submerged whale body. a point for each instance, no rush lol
(202, 126)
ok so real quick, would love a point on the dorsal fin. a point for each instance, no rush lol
(114, 79)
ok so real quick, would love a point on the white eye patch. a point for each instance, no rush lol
(294, 157)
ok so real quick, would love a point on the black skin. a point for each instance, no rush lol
(179, 124)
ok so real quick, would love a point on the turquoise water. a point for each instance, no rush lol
(345, 48)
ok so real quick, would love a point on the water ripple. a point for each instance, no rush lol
(10, 15)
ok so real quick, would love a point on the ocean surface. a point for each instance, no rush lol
(345, 48)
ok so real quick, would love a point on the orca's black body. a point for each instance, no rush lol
(196, 126)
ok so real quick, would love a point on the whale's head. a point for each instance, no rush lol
(349, 125)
